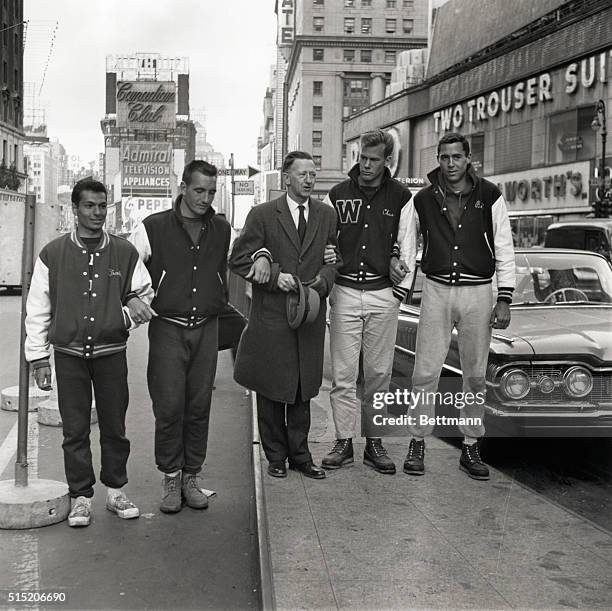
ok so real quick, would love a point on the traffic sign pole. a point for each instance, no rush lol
(233, 194)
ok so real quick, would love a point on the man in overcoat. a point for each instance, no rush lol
(283, 365)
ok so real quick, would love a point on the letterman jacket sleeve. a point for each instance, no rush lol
(504, 251)
(38, 316)
(405, 248)
(140, 239)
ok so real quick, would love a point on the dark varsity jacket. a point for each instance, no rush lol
(188, 279)
(368, 230)
(77, 299)
(480, 247)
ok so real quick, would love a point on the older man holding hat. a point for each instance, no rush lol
(282, 251)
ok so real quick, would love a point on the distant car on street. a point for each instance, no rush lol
(584, 234)
(550, 371)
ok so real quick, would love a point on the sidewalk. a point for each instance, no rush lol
(360, 539)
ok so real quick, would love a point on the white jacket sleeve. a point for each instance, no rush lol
(38, 314)
(504, 250)
(140, 239)
(406, 240)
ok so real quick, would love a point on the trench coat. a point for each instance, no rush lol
(272, 358)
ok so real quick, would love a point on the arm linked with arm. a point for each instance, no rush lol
(504, 251)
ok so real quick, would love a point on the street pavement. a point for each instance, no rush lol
(191, 560)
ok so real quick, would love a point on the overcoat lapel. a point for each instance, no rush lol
(312, 226)
(286, 221)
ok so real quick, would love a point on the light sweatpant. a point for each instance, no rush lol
(361, 322)
(468, 309)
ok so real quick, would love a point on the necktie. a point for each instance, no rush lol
(301, 223)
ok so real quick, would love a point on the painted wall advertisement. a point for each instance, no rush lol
(135, 209)
(146, 104)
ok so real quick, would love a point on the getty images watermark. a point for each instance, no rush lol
(410, 399)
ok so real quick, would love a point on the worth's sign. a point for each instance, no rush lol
(529, 92)
(146, 104)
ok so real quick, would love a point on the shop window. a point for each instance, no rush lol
(318, 24)
(349, 55)
(428, 159)
(366, 25)
(513, 148)
(318, 55)
(390, 57)
(390, 26)
(570, 137)
(366, 56)
(317, 87)
(317, 113)
(349, 25)
(408, 25)
(477, 150)
(317, 138)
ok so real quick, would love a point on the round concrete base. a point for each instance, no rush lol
(9, 399)
(49, 414)
(41, 503)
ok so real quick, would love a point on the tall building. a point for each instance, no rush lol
(340, 55)
(43, 165)
(148, 134)
(268, 180)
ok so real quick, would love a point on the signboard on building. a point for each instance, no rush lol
(146, 168)
(146, 104)
(561, 188)
(134, 209)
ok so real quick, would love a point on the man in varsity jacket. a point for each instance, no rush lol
(374, 212)
(466, 240)
(185, 250)
(88, 289)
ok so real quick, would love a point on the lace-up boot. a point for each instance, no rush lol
(340, 455)
(375, 456)
(192, 493)
(414, 463)
(471, 463)
(171, 496)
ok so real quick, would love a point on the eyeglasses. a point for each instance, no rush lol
(455, 157)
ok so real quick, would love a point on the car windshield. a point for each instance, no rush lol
(558, 278)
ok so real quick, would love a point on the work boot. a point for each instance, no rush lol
(171, 497)
(80, 512)
(340, 455)
(471, 463)
(120, 504)
(375, 456)
(414, 463)
(193, 495)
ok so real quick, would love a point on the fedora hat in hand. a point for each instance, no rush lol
(302, 306)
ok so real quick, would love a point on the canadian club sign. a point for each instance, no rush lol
(146, 104)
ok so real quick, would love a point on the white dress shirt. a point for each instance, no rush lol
(295, 211)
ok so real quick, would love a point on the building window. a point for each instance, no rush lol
(356, 95)
(390, 25)
(5, 73)
(409, 4)
(349, 3)
(390, 57)
(366, 3)
(317, 113)
(570, 137)
(318, 55)
(366, 56)
(318, 2)
(5, 34)
(318, 24)
(391, 3)
(16, 44)
(317, 138)
(317, 161)
(366, 25)
(4, 151)
(408, 25)
(317, 87)
(513, 148)
(477, 150)
(16, 156)
(349, 55)
(349, 25)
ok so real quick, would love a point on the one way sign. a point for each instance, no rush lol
(248, 172)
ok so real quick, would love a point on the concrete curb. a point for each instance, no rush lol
(266, 577)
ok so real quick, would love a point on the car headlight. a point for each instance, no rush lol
(578, 382)
(515, 384)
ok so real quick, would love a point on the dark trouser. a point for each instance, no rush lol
(74, 378)
(283, 429)
(181, 372)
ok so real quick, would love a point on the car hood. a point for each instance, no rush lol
(564, 330)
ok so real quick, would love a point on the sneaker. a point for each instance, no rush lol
(192, 493)
(375, 456)
(471, 463)
(340, 455)
(171, 498)
(122, 506)
(80, 513)
(414, 463)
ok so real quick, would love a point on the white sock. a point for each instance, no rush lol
(469, 441)
(112, 493)
(174, 474)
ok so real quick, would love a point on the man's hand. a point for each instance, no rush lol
(318, 284)
(397, 270)
(140, 312)
(42, 377)
(286, 282)
(260, 271)
(329, 257)
(500, 317)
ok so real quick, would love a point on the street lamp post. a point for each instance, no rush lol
(599, 124)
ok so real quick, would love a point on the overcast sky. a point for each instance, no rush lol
(230, 45)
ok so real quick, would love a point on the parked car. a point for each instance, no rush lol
(550, 371)
(585, 234)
